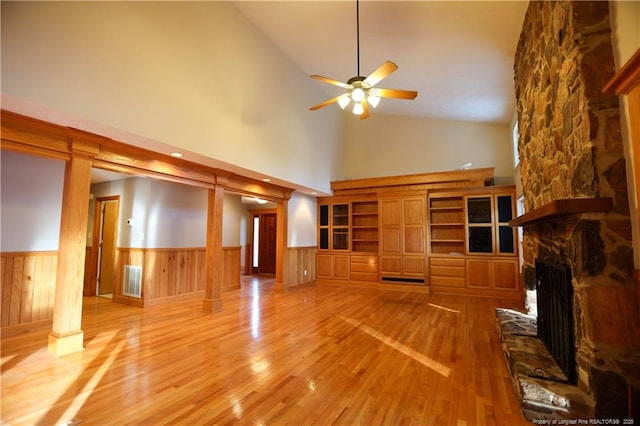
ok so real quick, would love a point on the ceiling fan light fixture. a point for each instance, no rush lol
(372, 98)
(360, 89)
(344, 101)
(357, 94)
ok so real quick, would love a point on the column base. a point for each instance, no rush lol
(64, 344)
(279, 287)
(212, 305)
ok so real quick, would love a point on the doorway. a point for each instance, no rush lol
(263, 246)
(107, 208)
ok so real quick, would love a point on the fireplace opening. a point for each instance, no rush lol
(555, 314)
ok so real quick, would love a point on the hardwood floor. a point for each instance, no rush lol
(313, 355)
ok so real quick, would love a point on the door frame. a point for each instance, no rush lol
(252, 214)
(91, 286)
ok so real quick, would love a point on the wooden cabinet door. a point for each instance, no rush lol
(413, 211)
(390, 218)
(323, 266)
(332, 266)
(341, 267)
(479, 273)
(414, 218)
(414, 265)
(505, 274)
(391, 265)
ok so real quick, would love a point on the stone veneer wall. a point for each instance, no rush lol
(571, 147)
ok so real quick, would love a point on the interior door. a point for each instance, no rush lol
(267, 244)
(107, 248)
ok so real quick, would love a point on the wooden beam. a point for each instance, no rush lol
(36, 137)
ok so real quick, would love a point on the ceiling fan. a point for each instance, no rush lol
(360, 89)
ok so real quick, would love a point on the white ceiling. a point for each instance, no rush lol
(458, 55)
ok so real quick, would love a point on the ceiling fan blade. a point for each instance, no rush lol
(325, 103)
(331, 81)
(395, 93)
(365, 107)
(383, 71)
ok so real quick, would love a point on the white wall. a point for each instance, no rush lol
(302, 221)
(194, 75)
(395, 145)
(234, 221)
(163, 214)
(30, 202)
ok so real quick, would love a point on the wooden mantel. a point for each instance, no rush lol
(557, 209)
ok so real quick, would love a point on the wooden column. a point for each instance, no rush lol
(281, 245)
(214, 274)
(67, 336)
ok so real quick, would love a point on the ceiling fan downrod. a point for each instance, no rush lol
(358, 34)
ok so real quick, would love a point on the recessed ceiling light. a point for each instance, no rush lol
(176, 154)
(266, 180)
(314, 193)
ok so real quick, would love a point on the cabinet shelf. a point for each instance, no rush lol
(447, 224)
(445, 240)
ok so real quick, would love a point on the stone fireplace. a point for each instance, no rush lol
(571, 149)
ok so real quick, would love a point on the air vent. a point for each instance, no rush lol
(132, 281)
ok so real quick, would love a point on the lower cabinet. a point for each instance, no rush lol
(332, 266)
(447, 272)
(348, 267)
(364, 268)
(474, 276)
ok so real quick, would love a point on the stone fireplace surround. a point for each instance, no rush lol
(571, 148)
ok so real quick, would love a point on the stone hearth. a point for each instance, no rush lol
(543, 389)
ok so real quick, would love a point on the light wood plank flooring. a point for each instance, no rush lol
(314, 355)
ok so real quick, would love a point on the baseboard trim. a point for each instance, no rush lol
(14, 330)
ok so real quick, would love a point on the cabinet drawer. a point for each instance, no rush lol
(447, 271)
(364, 276)
(364, 267)
(448, 281)
(445, 261)
(364, 259)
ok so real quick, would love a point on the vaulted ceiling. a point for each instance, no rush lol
(458, 55)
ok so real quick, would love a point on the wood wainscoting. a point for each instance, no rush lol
(301, 265)
(28, 288)
(171, 273)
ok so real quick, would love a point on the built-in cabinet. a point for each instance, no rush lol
(348, 240)
(472, 247)
(422, 236)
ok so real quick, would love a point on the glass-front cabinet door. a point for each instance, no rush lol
(323, 227)
(506, 235)
(487, 220)
(340, 228)
(479, 225)
(333, 226)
